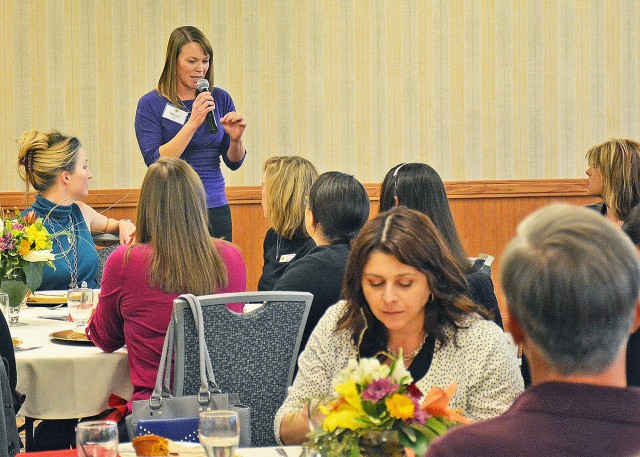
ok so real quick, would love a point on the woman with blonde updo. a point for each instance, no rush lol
(55, 165)
(285, 183)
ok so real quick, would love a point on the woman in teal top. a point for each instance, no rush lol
(55, 165)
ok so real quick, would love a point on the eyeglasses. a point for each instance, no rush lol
(306, 201)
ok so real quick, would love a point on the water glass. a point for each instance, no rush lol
(97, 439)
(4, 305)
(80, 304)
(219, 433)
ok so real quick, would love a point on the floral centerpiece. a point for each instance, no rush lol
(376, 410)
(25, 248)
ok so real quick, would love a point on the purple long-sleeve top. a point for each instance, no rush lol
(203, 151)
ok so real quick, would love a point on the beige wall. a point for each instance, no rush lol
(491, 89)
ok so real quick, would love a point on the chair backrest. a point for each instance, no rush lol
(103, 253)
(483, 262)
(252, 354)
(9, 439)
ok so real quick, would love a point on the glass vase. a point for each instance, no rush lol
(381, 442)
(14, 284)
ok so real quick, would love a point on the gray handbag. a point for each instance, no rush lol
(162, 410)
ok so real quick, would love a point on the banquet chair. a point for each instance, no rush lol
(483, 262)
(253, 354)
(9, 439)
(103, 253)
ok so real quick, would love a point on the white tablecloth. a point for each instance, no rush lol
(194, 450)
(63, 380)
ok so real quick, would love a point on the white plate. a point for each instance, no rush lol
(51, 293)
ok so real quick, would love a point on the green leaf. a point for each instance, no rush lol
(437, 426)
(33, 273)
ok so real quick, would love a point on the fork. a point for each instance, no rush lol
(21, 349)
(56, 306)
(281, 452)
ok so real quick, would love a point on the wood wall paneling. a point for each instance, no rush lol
(486, 213)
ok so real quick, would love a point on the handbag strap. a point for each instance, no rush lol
(207, 379)
(208, 383)
(160, 389)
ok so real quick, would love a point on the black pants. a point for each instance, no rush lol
(220, 222)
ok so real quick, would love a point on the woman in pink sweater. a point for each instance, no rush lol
(172, 253)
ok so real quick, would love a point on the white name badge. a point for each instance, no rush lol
(175, 114)
(284, 258)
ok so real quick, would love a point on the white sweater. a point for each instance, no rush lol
(482, 363)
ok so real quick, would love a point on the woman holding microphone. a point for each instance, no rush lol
(171, 121)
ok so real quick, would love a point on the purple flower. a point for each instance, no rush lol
(17, 226)
(379, 389)
(6, 243)
(419, 415)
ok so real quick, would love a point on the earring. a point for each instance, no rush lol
(430, 299)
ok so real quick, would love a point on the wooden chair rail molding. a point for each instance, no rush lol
(486, 213)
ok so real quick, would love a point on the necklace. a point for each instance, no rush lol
(71, 238)
(411, 355)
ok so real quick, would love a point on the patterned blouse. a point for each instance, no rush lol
(482, 363)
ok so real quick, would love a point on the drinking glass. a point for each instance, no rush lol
(80, 304)
(4, 305)
(219, 433)
(97, 439)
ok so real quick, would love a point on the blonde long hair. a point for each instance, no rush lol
(172, 218)
(619, 162)
(287, 180)
(168, 81)
(42, 156)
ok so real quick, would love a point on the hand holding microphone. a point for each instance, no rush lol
(203, 86)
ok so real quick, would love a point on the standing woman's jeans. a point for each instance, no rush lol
(220, 222)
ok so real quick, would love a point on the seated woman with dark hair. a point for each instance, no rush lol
(418, 186)
(632, 228)
(337, 208)
(404, 292)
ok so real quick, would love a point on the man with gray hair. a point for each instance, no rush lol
(571, 280)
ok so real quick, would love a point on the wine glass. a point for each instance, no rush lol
(80, 304)
(219, 433)
(97, 439)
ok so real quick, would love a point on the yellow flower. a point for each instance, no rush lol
(400, 407)
(349, 391)
(345, 417)
(24, 248)
(39, 237)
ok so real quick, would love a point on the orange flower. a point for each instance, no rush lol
(25, 247)
(30, 217)
(436, 403)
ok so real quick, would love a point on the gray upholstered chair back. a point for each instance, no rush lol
(252, 354)
(103, 253)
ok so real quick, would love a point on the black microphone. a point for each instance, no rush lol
(203, 86)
